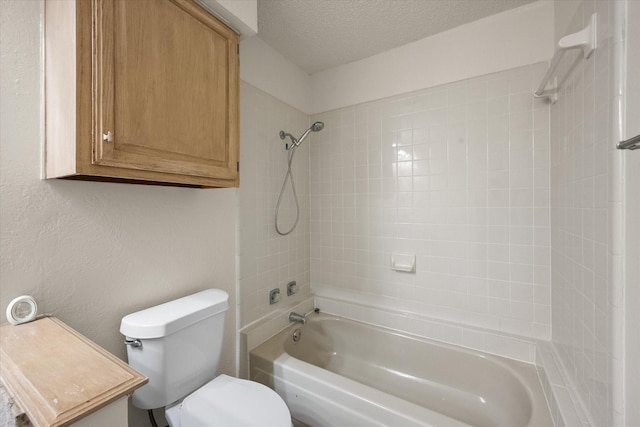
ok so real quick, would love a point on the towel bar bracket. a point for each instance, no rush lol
(550, 94)
(586, 39)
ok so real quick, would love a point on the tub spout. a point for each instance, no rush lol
(297, 318)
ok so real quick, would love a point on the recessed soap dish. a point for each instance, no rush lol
(403, 262)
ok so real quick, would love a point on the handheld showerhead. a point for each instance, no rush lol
(316, 127)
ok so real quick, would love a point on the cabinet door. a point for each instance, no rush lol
(166, 87)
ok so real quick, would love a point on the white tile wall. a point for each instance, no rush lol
(583, 166)
(558, 389)
(502, 344)
(265, 259)
(457, 174)
(496, 194)
(268, 326)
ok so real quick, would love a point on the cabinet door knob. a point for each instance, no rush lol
(107, 136)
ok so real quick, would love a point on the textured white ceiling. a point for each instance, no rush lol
(320, 34)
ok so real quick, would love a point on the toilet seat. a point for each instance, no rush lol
(228, 402)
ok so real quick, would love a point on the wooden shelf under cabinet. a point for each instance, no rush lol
(140, 91)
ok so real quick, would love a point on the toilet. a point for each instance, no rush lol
(177, 345)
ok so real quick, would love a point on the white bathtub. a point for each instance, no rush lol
(342, 373)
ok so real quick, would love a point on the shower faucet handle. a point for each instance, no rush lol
(292, 288)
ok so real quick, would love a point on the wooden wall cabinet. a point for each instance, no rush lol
(140, 91)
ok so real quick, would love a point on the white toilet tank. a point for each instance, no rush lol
(181, 344)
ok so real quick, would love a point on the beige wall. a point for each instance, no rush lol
(92, 252)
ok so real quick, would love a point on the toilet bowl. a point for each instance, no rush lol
(228, 401)
(177, 345)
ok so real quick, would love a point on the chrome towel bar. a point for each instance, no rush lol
(629, 144)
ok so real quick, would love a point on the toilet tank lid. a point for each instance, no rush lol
(168, 318)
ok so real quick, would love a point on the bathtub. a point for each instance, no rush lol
(343, 373)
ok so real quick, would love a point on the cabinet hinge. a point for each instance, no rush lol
(238, 166)
(238, 46)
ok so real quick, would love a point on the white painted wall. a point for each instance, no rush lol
(246, 11)
(241, 15)
(514, 38)
(92, 252)
(266, 69)
(563, 13)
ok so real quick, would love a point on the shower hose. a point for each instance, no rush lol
(288, 176)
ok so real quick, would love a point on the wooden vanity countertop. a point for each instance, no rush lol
(58, 376)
